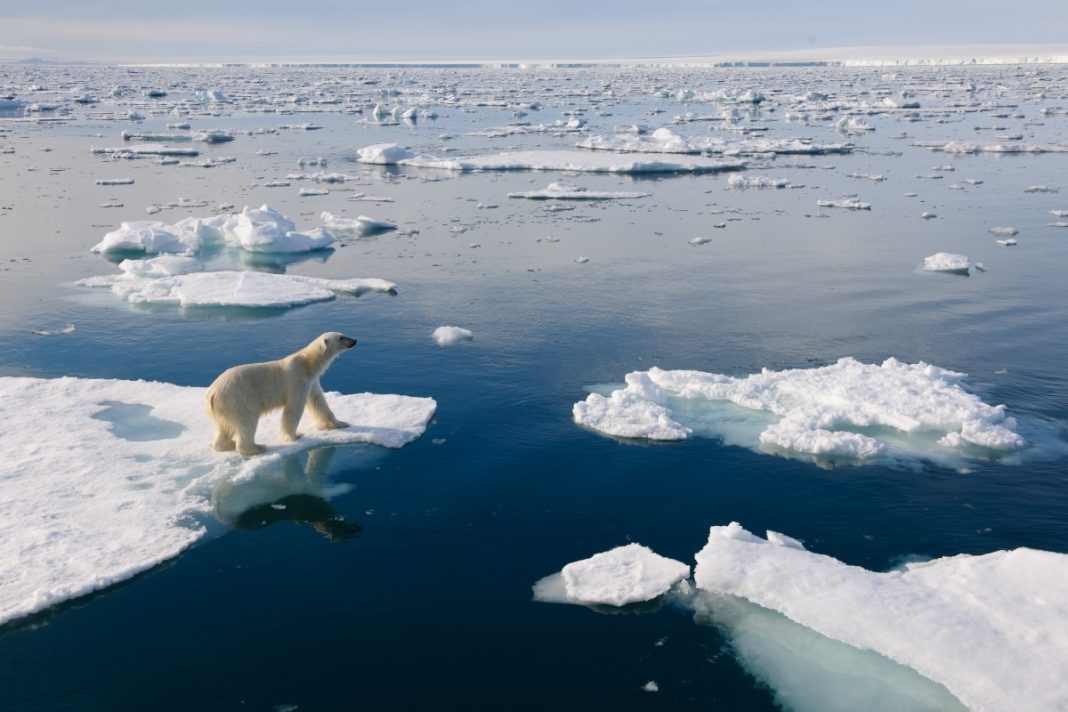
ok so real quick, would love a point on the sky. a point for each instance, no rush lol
(266, 30)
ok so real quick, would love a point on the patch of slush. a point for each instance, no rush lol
(993, 629)
(391, 154)
(664, 140)
(947, 262)
(618, 577)
(451, 335)
(569, 191)
(104, 479)
(849, 410)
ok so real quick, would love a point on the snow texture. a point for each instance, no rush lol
(818, 408)
(993, 629)
(119, 493)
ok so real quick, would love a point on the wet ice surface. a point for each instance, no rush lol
(776, 265)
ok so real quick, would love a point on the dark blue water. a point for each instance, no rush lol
(424, 596)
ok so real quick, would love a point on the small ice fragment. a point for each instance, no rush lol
(621, 576)
(68, 329)
(451, 335)
(928, 216)
(1041, 189)
(946, 262)
(582, 260)
(1004, 231)
(1007, 242)
(846, 204)
(651, 686)
(114, 181)
(699, 240)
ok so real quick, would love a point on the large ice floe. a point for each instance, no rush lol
(129, 483)
(563, 190)
(261, 229)
(992, 629)
(664, 140)
(391, 154)
(170, 280)
(904, 410)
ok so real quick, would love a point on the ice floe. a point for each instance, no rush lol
(947, 262)
(563, 190)
(664, 140)
(846, 204)
(135, 473)
(993, 629)
(155, 284)
(738, 180)
(1004, 231)
(618, 577)
(910, 410)
(971, 147)
(358, 227)
(547, 160)
(451, 335)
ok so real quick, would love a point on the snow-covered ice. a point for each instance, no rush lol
(845, 203)
(547, 160)
(664, 140)
(627, 574)
(451, 335)
(993, 629)
(915, 410)
(121, 493)
(737, 180)
(358, 227)
(563, 190)
(947, 262)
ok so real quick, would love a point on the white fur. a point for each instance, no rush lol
(239, 396)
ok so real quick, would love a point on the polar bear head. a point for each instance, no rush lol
(334, 342)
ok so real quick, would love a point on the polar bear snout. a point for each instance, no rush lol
(348, 342)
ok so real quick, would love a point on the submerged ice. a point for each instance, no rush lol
(903, 409)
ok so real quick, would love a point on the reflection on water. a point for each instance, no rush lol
(291, 491)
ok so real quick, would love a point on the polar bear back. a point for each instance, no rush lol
(259, 387)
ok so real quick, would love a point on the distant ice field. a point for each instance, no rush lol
(826, 301)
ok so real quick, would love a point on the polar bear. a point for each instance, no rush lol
(239, 396)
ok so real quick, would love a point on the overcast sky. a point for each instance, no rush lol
(244, 30)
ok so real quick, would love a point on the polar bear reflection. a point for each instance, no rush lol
(290, 491)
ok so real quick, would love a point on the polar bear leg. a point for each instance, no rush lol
(224, 438)
(246, 438)
(323, 416)
(291, 413)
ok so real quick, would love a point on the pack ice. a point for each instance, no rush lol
(664, 140)
(391, 154)
(993, 629)
(909, 409)
(104, 479)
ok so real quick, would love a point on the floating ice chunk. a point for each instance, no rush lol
(562, 190)
(651, 686)
(392, 154)
(992, 629)
(1059, 213)
(176, 284)
(926, 215)
(264, 229)
(150, 237)
(1057, 224)
(582, 260)
(114, 181)
(360, 226)
(1007, 242)
(738, 180)
(947, 262)
(451, 335)
(1004, 231)
(819, 409)
(1041, 189)
(309, 192)
(618, 577)
(700, 240)
(845, 204)
(118, 499)
(148, 149)
(852, 125)
(867, 176)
